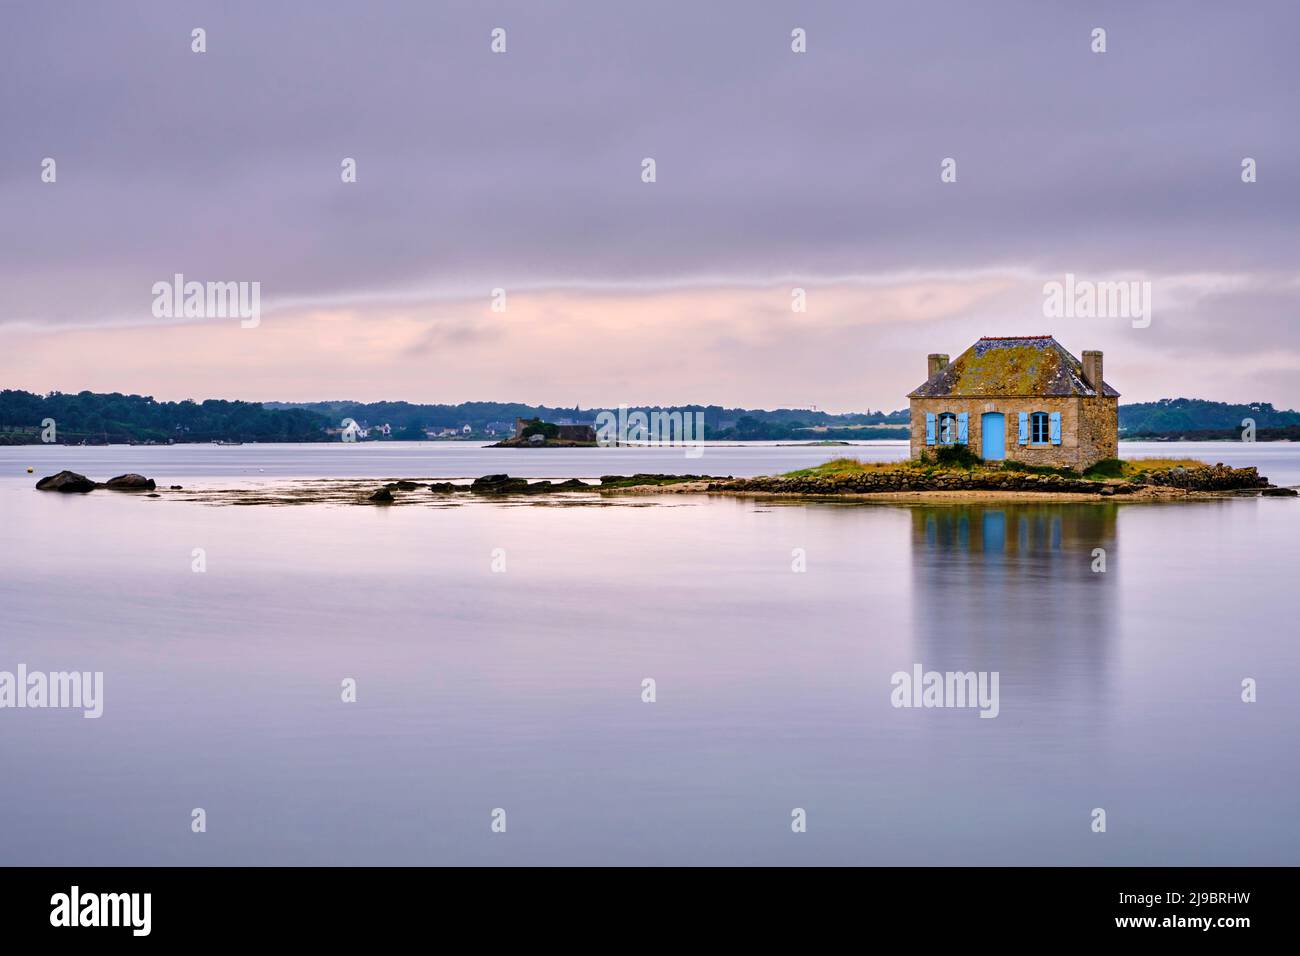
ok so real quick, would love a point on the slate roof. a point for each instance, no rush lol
(1022, 365)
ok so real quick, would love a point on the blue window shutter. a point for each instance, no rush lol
(929, 428)
(1056, 428)
(1024, 428)
(962, 433)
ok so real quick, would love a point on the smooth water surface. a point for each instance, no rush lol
(522, 689)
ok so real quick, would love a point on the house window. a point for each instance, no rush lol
(1039, 429)
(947, 429)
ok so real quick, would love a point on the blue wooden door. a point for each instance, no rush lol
(993, 429)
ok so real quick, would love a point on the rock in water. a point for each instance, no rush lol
(67, 482)
(383, 496)
(130, 482)
(498, 485)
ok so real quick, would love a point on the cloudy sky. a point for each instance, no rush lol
(523, 171)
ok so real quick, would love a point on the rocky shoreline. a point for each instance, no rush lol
(901, 484)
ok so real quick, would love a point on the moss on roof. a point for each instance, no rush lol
(1006, 366)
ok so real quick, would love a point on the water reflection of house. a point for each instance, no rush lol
(1013, 588)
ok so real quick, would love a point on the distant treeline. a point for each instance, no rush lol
(750, 428)
(719, 422)
(1179, 415)
(113, 417)
(1285, 433)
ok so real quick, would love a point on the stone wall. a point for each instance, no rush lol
(1089, 427)
(1098, 429)
(915, 479)
(577, 432)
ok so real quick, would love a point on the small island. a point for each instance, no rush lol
(535, 433)
(956, 473)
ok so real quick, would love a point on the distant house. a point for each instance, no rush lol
(465, 430)
(1020, 397)
(382, 429)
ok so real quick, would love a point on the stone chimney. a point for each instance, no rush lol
(939, 362)
(1092, 370)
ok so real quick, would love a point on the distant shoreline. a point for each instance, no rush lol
(8, 440)
(115, 418)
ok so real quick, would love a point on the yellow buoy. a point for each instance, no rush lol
(29, 471)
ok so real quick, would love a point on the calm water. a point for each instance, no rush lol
(522, 689)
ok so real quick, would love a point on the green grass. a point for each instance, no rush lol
(1109, 468)
(953, 456)
(1137, 465)
(1012, 465)
(1106, 468)
(1132, 470)
(848, 466)
(639, 479)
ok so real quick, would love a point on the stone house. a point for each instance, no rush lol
(1023, 398)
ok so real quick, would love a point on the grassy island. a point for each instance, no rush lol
(957, 471)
